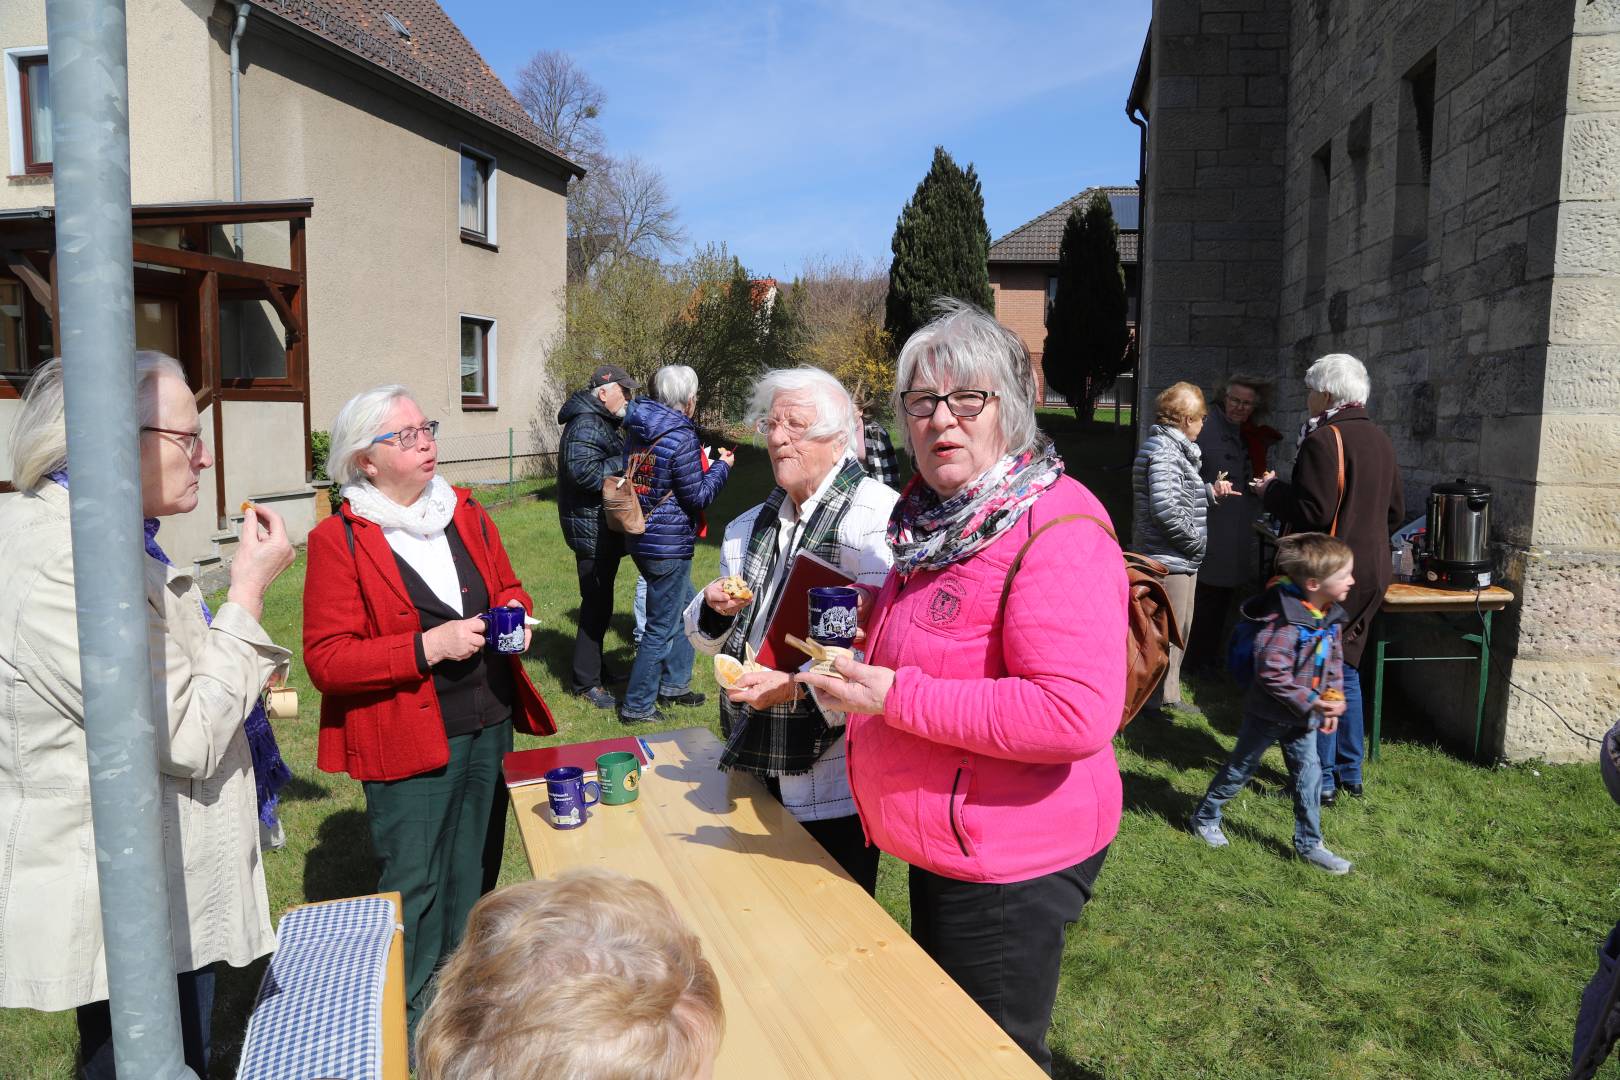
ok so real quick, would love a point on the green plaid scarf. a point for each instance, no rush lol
(787, 738)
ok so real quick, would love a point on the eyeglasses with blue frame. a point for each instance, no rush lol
(407, 436)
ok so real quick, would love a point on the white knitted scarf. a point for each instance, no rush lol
(429, 514)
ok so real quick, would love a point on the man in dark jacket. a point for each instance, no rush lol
(592, 447)
(1346, 482)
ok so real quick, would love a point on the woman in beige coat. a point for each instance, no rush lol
(51, 954)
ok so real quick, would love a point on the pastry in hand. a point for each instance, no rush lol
(736, 588)
(823, 656)
(728, 669)
(1331, 694)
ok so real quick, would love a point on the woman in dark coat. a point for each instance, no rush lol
(1363, 509)
(1234, 447)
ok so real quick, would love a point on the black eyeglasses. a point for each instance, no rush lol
(922, 403)
(189, 440)
(407, 436)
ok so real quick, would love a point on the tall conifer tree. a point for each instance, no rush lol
(1086, 332)
(941, 248)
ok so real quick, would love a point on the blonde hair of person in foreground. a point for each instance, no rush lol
(587, 976)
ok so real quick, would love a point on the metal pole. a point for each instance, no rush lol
(90, 132)
(242, 10)
(511, 478)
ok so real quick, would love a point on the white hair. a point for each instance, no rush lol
(675, 385)
(1341, 377)
(362, 418)
(39, 437)
(835, 411)
(965, 348)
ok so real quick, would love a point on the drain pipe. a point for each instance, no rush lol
(237, 31)
(1131, 110)
(96, 304)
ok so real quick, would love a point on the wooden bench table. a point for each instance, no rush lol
(1411, 598)
(817, 979)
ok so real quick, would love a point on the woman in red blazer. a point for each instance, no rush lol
(412, 704)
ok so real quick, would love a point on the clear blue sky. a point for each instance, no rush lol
(796, 130)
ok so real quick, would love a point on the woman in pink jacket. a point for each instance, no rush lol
(980, 729)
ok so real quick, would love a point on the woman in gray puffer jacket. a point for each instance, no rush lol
(1171, 502)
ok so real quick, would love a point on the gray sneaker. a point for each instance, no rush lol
(1210, 834)
(1323, 859)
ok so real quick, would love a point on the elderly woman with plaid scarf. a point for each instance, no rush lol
(823, 503)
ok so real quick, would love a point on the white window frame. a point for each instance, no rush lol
(491, 341)
(14, 124)
(490, 205)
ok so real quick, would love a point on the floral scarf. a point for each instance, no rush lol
(1321, 418)
(270, 772)
(929, 534)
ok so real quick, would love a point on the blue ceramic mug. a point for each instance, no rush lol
(569, 793)
(832, 616)
(503, 629)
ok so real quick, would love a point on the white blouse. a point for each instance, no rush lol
(430, 557)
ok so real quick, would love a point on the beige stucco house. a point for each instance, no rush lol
(400, 218)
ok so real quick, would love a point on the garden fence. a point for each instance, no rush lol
(494, 458)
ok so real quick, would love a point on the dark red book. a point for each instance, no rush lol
(530, 766)
(792, 615)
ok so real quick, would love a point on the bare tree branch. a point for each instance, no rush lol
(622, 205)
(564, 103)
(646, 221)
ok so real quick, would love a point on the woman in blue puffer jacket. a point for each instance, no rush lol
(1171, 501)
(674, 489)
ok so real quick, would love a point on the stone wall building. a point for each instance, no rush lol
(1434, 187)
(1024, 265)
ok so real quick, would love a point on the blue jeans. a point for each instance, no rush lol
(640, 609)
(1342, 751)
(1299, 751)
(664, 657)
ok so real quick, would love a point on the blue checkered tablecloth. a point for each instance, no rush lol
(319, 1012)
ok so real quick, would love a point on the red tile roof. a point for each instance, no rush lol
(1038, 239)
(436, 56)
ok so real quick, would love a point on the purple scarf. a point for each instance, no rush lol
(270, 773)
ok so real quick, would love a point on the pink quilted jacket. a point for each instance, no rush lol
(994, 758)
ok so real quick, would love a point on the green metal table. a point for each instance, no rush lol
(1406, 598)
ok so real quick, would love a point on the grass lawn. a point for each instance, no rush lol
(1457, 948)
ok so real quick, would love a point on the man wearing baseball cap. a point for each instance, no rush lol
(592, 448)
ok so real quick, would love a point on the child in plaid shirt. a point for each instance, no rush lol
(1298, 687)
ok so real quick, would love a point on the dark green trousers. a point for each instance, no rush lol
(438, 838)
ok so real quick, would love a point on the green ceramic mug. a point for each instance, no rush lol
(619, 773)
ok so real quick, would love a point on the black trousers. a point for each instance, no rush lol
(844, 840)
(196, 1017)
(1206, 649)
(596, 577)
(1003, 944)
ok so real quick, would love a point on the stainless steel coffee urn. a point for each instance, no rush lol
(1459, 555)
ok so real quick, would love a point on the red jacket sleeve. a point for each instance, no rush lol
(343, 650)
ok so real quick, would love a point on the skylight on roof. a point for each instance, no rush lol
(399, 27)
